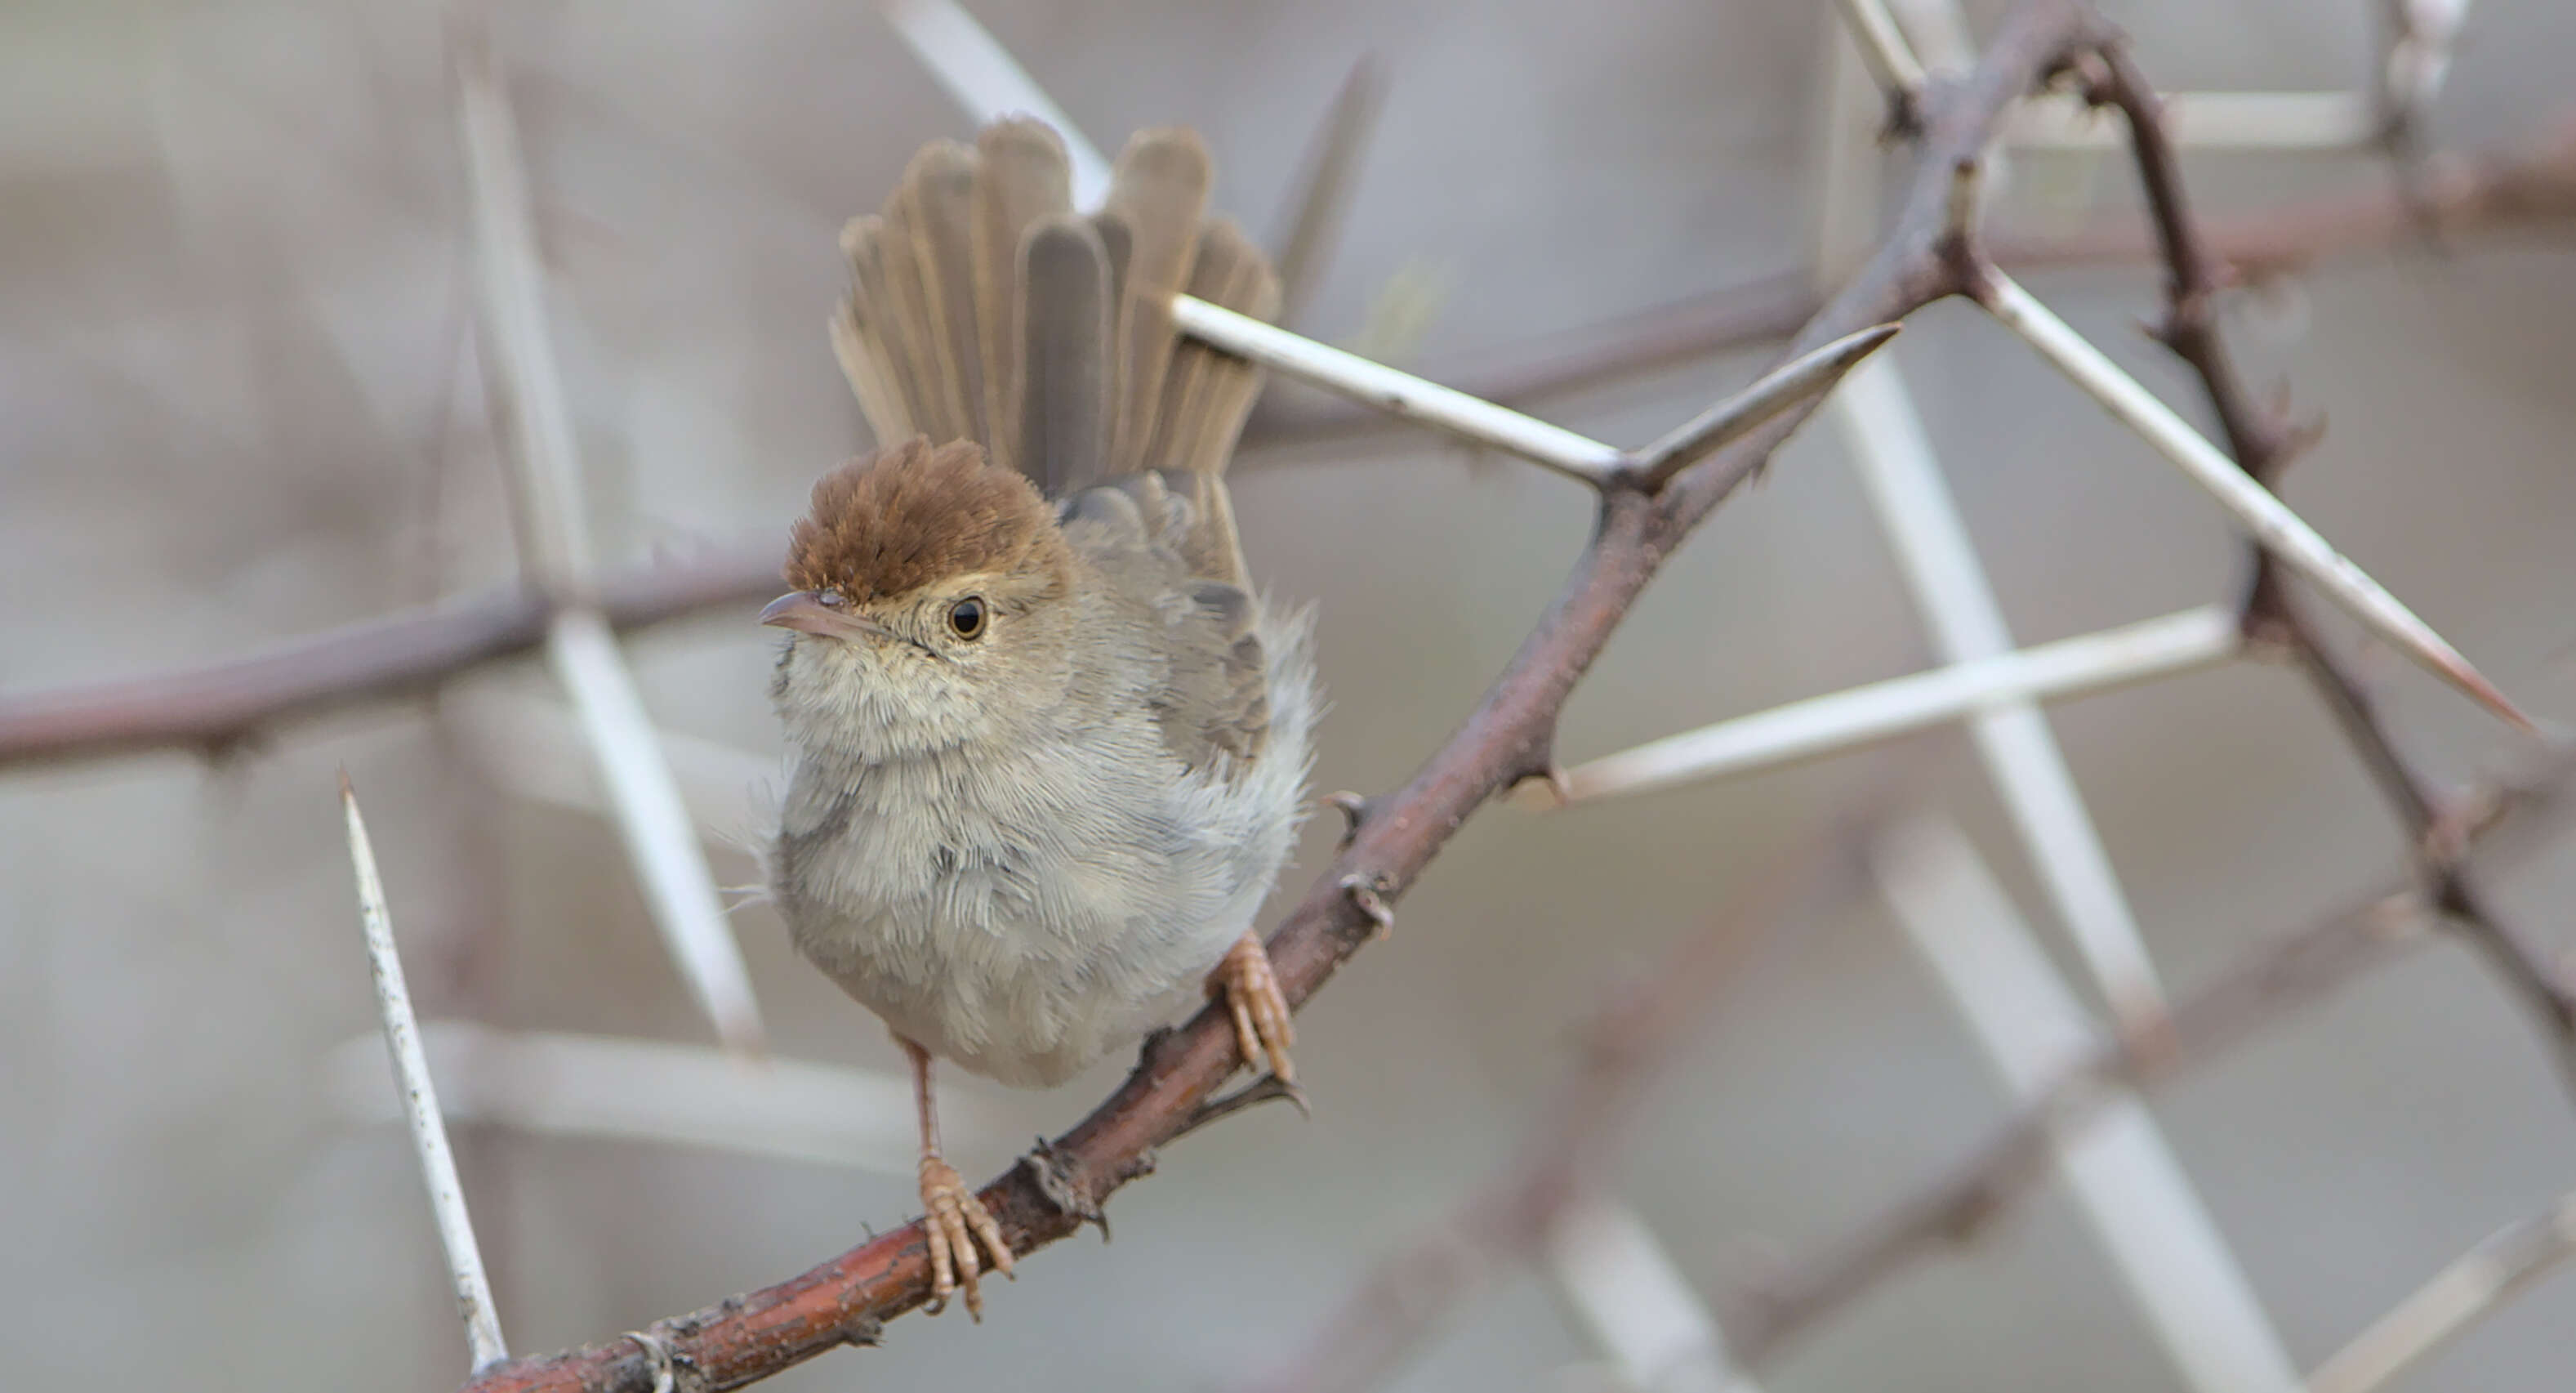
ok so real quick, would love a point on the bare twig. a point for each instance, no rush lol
(2458, 1297)
(420, 1101)
(2123, 1174)
(1512, 1216)
(2259, 991)
(1506, 738)
(223, 706)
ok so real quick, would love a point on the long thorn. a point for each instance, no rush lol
(2271, 523)
(1791, 384)
(420, 1101)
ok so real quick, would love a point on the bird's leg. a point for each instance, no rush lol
(1262, 1028)
(953, 1218)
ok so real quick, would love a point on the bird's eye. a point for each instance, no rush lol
(966, 617)
(832, 599)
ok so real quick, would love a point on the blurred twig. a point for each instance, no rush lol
(2459, 1296)
(222, 706)
(1508, 737)
(1509, 1219)
(2259, 991)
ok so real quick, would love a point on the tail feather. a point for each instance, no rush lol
(1159, 188)
(980, 308)
(1064, 378)
(1022, 177)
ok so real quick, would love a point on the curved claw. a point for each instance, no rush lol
(961, 1231)
(1263, 1028)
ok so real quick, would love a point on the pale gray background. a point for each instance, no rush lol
(230, 307)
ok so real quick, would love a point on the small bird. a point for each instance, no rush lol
(1049, 744)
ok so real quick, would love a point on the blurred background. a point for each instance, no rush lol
(242, 403)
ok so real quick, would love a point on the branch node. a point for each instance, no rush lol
(1063, 1179)
(659, 1359)
(1367, 894)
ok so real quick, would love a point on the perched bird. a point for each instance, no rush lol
(1049, 745)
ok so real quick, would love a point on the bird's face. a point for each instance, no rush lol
(933, 610)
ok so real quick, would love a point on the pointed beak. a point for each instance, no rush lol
(805, 612)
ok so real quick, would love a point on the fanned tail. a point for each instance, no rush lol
(981, 308)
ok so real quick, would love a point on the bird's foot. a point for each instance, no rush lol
(1262, 1028)
(957, 1223)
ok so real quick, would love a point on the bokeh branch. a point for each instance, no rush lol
(1507, 1219)
(218, 708)
(1508, 737)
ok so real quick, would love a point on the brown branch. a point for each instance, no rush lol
(1507, 738)
(1633, 1036)
(2262, 445)
(219, 707)
(2456, 199)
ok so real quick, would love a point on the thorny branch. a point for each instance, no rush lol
(1507, 738)
(2262, 445)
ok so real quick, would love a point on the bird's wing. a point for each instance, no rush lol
(1144, 534)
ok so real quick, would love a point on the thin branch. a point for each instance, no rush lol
(2123, 1173)
(222, 706)
(2259, 991)
(2261, 446)
(1511, 1218)
(1505, 739)
(2458, 1297)
(545, 465)
(1841, 720)
(420, 1101)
